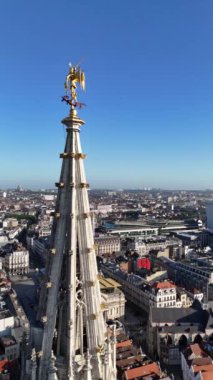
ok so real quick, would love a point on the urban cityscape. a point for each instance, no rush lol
(154, 258)
(111, 279)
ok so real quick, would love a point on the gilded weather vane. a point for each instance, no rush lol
(75, 75)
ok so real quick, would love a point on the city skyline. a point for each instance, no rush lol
(149, 92)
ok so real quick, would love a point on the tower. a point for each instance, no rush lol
(70, 305)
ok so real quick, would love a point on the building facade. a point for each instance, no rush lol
(143, 245)
(113, 299)
(17, 262)
(170, 331)
(105, 245)
(189, 275)
(161, 294)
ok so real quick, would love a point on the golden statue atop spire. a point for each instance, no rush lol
(75, 75)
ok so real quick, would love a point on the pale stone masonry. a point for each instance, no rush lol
(17, 262)
(107, 245)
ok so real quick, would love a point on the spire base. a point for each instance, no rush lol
(72, 120)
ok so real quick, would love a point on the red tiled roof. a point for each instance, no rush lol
(164, 285)
(196, 291)
(144, 370)
(207, 375)
(197, 350)
(3, 364)
(125, 343)
(124, 354)
(203, 368)
(126, 362)
(202, 361)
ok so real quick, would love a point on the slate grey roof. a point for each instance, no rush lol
(179, 315)
(175, 329)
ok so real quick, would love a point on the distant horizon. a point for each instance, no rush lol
(43, 188)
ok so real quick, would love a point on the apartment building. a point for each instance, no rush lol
(190, 275)
(137, 290)
(107, 245)
(17, 262)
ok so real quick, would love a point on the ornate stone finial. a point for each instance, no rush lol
(88, 365)
(106, 357)
(33, 355)
(33, 358)
(52, 373)
(114, 339)
(33, 364)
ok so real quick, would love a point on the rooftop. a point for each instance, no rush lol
(180, 315)
(176, 329)
(203, 368)
(125, 343)
(7, 341)
(144, 370)
(202, 361)
(108, 283)
(3, 364)
(121, 364)
(196, 350)
(164, 285)
(207, 375)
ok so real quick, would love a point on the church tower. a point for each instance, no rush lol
(76, 344)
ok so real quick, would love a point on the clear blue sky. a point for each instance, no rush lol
(149, 70)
